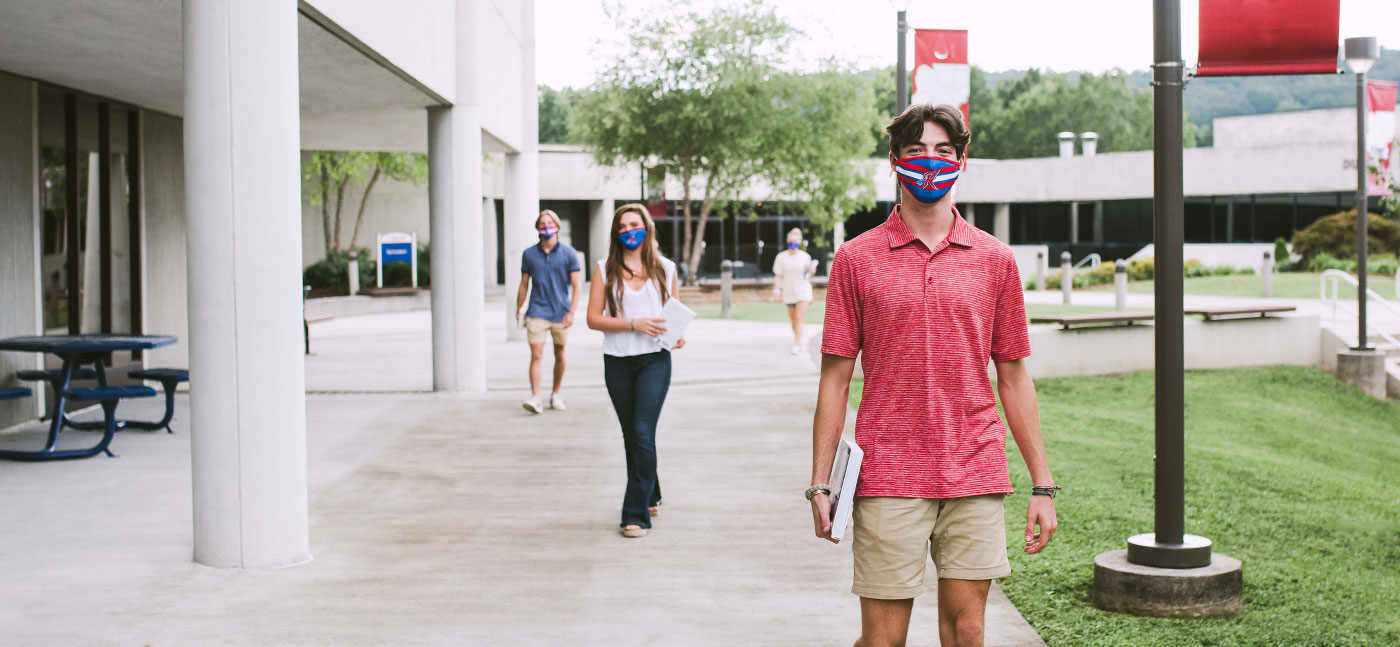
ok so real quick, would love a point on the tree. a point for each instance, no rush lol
(332, 172)
(555, 107)
(709, 99)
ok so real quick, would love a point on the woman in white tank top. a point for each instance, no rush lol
(626, 295)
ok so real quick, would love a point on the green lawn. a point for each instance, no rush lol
(1288, 470)
(777, 312)
(1291, 285)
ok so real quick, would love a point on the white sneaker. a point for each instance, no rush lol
(796, 349)
(556, 402)
(533, 405)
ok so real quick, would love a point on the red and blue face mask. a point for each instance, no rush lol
(548, 231)
(928, 179)
(632, 238)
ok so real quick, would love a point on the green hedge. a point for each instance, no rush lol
(1139, 269)
(332, 272)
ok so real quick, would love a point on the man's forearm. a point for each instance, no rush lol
(1018, 400)
(522, 294)
(573, 300)
(830, 419)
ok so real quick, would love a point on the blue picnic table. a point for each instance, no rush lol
(76, 351)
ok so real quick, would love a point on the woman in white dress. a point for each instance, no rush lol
(626, 296)
(792, 271)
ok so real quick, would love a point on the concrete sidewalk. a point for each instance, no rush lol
(465, 520)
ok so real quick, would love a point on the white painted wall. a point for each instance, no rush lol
(163, 251)
(1237, 255)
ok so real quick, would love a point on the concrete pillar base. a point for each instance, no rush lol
(1363, 369)
(1209, 591)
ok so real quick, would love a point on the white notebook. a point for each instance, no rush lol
(678, 318)
(845, 472)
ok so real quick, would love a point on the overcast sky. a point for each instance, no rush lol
(1092, 35)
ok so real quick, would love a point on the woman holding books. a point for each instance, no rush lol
(626, 296)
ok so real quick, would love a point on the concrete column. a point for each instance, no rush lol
(1074, 223)
(243, 204)
(522, 179)
(1230, 222)
(454, 216)
(969, 213)
(20, 248)
(1098, 222)
(489, 251)
(600, 215)
(1001, 225)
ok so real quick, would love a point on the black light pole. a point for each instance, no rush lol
(901, 73)
(1168, 546)
(1360, 54)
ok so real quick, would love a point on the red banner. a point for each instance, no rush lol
(1260, 37)
(941, 72)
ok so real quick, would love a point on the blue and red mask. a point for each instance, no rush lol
(548, 231)
(928, 179)
(632, 238)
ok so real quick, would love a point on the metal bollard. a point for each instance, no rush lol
(1066, 276)
(1120, 285)
(353, 268)
(726, 287)
(1268, 272)
(1040, 270)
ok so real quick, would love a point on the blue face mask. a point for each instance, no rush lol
(792, 245)
(632, 238)
(928, 179)
(548, 231)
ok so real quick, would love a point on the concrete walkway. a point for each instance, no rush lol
(464, 520)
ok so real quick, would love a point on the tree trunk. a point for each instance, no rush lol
(339, 202)
(685, 227)
(698, 240)
(326, 207)
(364, 198)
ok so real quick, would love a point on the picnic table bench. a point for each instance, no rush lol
(1238, 312)
(1118, 318)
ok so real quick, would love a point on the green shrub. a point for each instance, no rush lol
(1281, 254)
(1336, 235)
(1140, 269)
(1382, 264)
(332, 272)
(1324, 261)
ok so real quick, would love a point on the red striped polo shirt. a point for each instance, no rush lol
(925, 323)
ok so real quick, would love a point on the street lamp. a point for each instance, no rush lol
(901, 73)
(1361, 53)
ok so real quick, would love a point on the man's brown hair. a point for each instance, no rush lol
(908, 128)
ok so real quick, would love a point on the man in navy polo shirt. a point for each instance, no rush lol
(553, 270)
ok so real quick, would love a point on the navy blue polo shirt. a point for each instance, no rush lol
(549, 278)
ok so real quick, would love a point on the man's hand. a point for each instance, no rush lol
(821, 517)
(1040, 523)
(569, 319)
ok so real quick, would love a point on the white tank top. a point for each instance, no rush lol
(636, 304)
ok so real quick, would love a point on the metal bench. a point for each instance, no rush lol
(1118, 318)
(1238, 312)
(10, 393)
(55, 375)
(169, 378)
(108, 396)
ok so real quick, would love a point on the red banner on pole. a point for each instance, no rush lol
(1261, 37)
(941, 72)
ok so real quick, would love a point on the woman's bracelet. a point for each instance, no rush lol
(629, 326)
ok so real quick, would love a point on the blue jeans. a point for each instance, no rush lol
(638, 386)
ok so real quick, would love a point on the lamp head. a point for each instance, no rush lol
(1361, 52)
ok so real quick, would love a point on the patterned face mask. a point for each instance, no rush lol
(632, 238)
(927, 178)
(548, 231)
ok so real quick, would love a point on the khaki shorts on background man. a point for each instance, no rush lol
(537, 330)
(966, 537)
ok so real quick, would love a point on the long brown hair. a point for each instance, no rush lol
(614, 269)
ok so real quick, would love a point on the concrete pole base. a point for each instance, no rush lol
(1363, 369)
(1209, 591)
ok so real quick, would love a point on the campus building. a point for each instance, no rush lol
(150, 182)
(1264, 177)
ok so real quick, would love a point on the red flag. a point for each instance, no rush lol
(941, 72)
(1380, 135)
(1259, 37)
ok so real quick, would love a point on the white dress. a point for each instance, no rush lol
(636, 304)
(793, 268)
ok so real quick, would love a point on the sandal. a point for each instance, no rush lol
(655, 510)
(633, 532)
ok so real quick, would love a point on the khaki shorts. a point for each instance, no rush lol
(966, 538)
(537, 330)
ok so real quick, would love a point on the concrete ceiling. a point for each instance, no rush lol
(132, 52)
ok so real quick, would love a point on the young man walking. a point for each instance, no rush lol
(926, 300)
(553, 270)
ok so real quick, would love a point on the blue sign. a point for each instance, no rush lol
(396, 252)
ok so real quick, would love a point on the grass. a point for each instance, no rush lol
(1289, 285)
(1288, 470)
(776, 312)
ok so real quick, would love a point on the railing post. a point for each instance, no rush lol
(1040, 270)
(1268, 272)
(1120, 285)
(1066, 276)
(353, 269)
(726, 287)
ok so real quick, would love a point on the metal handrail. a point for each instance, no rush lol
(1334, 278)
(1099, 259)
